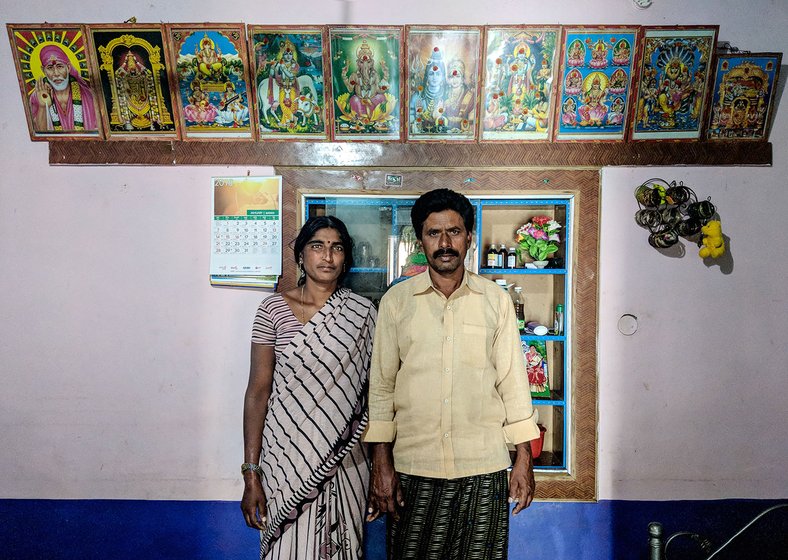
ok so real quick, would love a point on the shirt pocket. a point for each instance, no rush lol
(474, 342)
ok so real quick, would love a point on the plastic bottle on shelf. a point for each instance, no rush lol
(559, 320)
(492, 256)
(519, 307)
(511, 258)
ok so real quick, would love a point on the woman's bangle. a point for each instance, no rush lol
(254, 467)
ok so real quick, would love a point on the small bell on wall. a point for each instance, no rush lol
(688, 227)
(648, 217)
(663, 239)
(703, 210)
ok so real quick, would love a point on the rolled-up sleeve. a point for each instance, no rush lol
(512, 380)
(383, 376)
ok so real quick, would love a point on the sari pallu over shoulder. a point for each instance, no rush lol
(317, 409)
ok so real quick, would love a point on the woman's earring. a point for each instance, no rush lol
(301, 270)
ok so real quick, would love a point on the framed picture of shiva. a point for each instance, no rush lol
(135, 88)
(57, 81)
(596, 83)
(288, 66)
(212, 88)
(673, 83)
(518, 95)
(741, 107)
(443, 83)
(366, 69)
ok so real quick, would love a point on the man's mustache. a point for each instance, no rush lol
(447, 251)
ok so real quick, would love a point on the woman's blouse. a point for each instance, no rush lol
(275, 324)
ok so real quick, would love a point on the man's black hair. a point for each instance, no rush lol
(438, 201)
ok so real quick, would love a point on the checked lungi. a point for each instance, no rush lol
(456, 519)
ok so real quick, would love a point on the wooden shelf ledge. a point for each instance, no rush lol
(368, 154)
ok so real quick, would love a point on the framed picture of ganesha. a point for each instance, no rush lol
(366, 70)
(673, 83)
(443, 83)
(212, 86)
(57, 80)
(288, 69)
(595, 83)
(136, 92)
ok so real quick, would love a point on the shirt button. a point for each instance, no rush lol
(445, 401)
(446, 435)
(448, 307)
(448, 339)
(446, 370)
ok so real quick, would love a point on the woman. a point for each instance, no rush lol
(305, 407)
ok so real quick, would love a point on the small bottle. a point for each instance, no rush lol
(511, 259)
(492, 256)
(559, 320)
(502, 255)
(519, 307)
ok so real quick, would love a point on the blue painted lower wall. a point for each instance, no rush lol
(141, 530)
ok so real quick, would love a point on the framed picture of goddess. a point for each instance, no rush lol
(212, 89)
(288, 65)
(741, 106)
(673, 83)
(518, 95)
(57, 80)
(443, 83)
(136, 93)
(595, 83)
(366, 69)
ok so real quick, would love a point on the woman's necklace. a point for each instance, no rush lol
(302, 311)
(303, 322)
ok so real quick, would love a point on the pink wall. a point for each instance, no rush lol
(122, 369)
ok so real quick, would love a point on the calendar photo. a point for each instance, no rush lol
(247, 226)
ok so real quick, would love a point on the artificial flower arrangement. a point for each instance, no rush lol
(539, 237)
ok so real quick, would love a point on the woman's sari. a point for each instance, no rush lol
(311, 446)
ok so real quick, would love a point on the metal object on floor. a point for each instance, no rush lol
(658, 551)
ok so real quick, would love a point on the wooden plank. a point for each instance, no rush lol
(370, 154)
(131, 152)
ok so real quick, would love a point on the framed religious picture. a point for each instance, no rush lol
(57, 79)
(673, 83)
(366, 80)
(443, 82)
(596, 83)
(212, 88)
(535, 354)
(743, 96)
(289, 81)
(518, 94)
(136, 93)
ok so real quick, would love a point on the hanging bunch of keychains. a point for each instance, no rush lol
(670, 211)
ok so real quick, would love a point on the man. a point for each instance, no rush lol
(448, 391)
(62, 100)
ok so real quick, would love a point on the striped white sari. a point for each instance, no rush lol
(315, 470)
